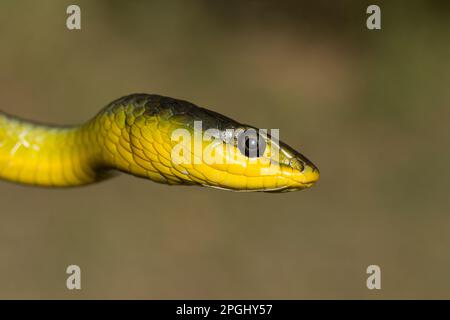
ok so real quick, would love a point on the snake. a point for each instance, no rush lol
(153, 137)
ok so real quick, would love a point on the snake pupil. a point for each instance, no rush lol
(251, 144)
(247, 147)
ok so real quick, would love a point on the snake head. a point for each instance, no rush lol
(222, 153)
(176, 142)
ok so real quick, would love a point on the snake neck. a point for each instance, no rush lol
(47, 155)
(56, 156)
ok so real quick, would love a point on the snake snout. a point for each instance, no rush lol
(311, 174)
(307, 172)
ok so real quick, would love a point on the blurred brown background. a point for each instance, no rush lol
(370, 108)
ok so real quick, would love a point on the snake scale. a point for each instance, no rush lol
(134, 134)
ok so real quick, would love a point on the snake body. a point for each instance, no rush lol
(134, 134)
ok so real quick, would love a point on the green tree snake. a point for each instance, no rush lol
(135, 135)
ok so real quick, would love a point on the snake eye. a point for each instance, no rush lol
(251, 144)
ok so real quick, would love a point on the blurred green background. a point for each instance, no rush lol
(370, 108)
